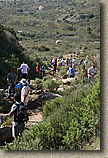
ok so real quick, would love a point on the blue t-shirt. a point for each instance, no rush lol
(43, 68)
(71, 70)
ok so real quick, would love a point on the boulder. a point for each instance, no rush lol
(5, 133)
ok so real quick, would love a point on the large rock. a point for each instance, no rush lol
(68, 80)
(5, 133)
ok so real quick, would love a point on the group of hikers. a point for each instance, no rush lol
(21, 99)
(71, 63)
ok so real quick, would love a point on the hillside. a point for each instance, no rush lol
(42, 23)
(64, 112)
(10, 52)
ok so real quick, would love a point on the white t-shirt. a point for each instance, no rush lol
(24, 68)
(63, 63)
(24, 91)
(74, 60)
(91, 70)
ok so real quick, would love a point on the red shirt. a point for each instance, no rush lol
(37, 68)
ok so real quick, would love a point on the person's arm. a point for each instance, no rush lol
(28, 69)
(8, 77)
(19, 67)
(11, 114)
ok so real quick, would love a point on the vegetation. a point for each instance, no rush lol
(51, 84)
(70, 122)
(29, 31)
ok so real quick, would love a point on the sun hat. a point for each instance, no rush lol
(23, 81)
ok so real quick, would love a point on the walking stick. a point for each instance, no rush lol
(3, 124)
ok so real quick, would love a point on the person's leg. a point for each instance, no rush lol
(13, 87)
(14, 130)
(21, 128)
(89, 78)
(43, 73)
(9, 91)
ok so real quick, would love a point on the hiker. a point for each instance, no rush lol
(86, 62)
(43, 70)
(11, 78)
(81, 62)
(93, 57)
(73, 63)
(68, 61)
(25, 70)
(54, 68)
(18, 88)
(63, 62)
(91, 72)
(53, 60)
(25, 92)
(84, 70)
(38, 71)
(19, 122)
(71, 72)
(74, 60)
(77, 51)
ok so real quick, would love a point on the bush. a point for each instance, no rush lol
(49, 108)
(51, 84)
(38, 83)
(46, 77)
(63, 71)
(42, 48)
(75, 121)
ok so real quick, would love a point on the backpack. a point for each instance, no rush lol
(22, 115)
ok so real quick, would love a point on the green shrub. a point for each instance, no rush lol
(49, 108)
(38, 83)
(75, 121)
(48, 77)
(63, 71)
(51, 84)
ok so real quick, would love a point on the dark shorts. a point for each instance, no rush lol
(72, 76)
(25, 76)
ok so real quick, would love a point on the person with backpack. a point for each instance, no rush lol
(71, 72)
(11, 78)
(25, 70)
(18, 111)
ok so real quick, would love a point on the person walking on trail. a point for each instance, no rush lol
(71, 72)
(68, 61)
(43, 70)
(38, 71)
(54, 68)
(91, 72)
(19, 120)
(84, 71)
(24, 70)
(63, 62)
(25, 92)
(11, 78)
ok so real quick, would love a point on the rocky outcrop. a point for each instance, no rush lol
(5, 133)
